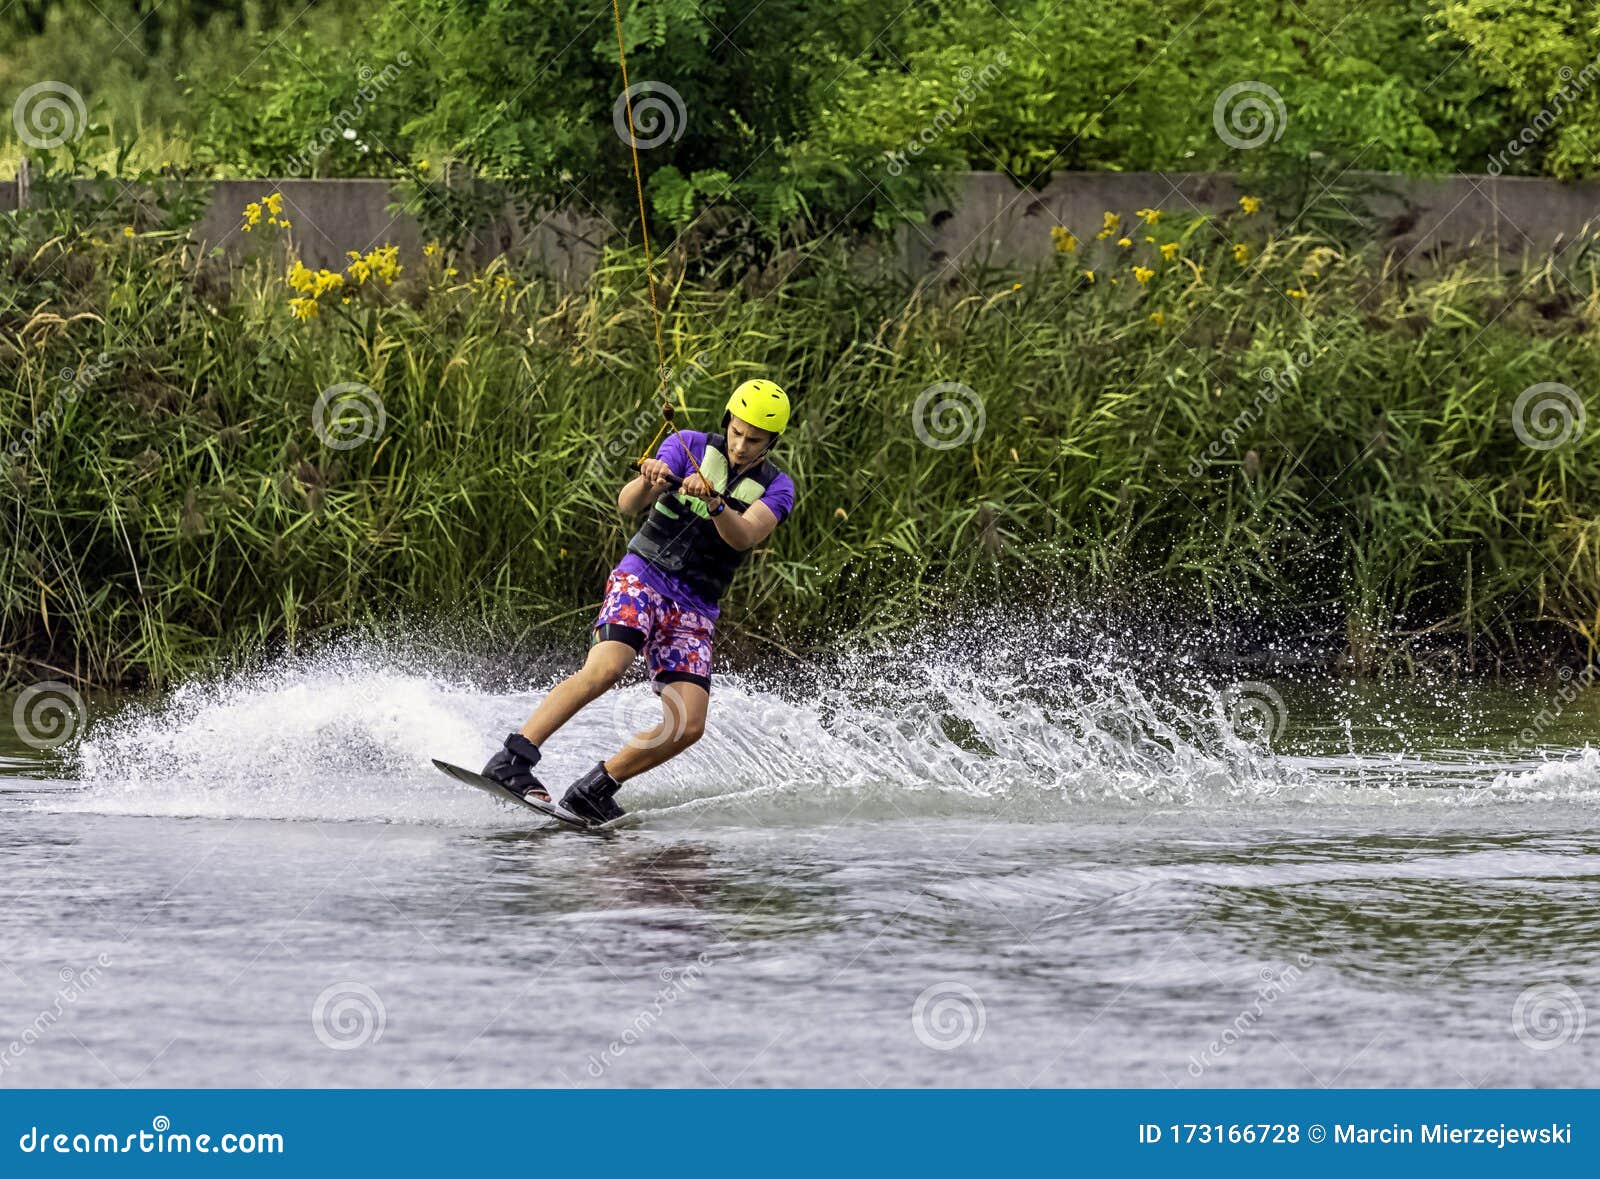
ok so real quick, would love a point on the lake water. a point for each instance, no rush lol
(915, 871)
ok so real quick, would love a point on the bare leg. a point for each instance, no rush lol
(683, 720)
(600, 672)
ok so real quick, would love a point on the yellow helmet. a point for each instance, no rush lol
(761, 404)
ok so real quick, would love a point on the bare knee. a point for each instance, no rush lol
(691, 730)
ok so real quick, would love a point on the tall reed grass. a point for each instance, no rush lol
(1249, 425)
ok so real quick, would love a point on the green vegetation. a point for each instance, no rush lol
(790, 124)
(175, 500)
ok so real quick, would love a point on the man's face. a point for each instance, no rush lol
(746, 443)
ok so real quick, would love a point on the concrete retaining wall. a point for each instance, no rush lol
(991, 222)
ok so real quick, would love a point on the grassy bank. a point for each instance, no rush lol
(1210, 417)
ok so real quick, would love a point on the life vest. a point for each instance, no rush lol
(679, 536)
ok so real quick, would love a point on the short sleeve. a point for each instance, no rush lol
(673, 453)
(779, 496)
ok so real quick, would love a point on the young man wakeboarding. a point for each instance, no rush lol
(707, 500)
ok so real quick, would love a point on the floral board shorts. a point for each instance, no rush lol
(676, 641)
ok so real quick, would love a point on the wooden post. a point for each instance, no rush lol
(22, 184)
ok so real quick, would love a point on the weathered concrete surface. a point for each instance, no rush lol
(1497, 220)
(330, 217)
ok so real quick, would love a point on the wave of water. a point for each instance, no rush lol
(1002, 728)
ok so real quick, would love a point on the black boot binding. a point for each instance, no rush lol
(590, 797)
(513, 766)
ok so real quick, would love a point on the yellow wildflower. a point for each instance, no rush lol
(1157, 318)
(1113, 224)
(431, 249)
(274, 203)
(127, 231)
(304, 309)
(1064, 239)
(1151, 216)
(1297, 294)
(452, 272)
(1250, 204)
(1241, 252)
(300, 277)
(1016, 286)
(1143, 273)
(1125, 242)
(1089, 274)
(1170, 251)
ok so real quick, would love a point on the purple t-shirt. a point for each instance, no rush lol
(779, 498)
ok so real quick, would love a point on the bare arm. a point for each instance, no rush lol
(641, 492)
(741, 530)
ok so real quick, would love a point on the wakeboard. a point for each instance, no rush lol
(548, 809)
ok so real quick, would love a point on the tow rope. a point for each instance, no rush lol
(667, 408)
